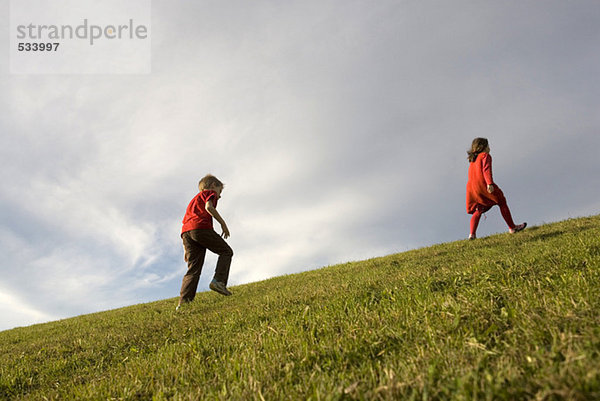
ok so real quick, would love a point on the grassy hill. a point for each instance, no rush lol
(504, 317)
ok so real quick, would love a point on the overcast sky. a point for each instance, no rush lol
(340, 129)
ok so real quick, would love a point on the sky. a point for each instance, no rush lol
(339, 128)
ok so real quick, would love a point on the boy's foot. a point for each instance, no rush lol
(219, 287)
(472, 236)
(518, 228)
(181, 305)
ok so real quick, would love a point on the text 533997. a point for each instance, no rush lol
(37, 47)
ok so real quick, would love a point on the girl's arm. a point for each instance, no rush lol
(213, 212)
(487, 172)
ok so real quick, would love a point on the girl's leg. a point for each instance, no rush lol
(475, 222)
(506, 214)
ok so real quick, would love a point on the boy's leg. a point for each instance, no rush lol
(213, 241)
(194, 256)
(475, 222)
(506, 214)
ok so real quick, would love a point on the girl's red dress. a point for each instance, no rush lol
(480, 176)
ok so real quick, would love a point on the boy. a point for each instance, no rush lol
(198, 235)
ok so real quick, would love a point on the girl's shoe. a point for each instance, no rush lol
(472, 236)
(518, 228)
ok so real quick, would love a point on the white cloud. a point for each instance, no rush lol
(15, 312)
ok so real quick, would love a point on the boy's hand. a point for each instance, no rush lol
(213, 212)
(225, 233)
(490, 188)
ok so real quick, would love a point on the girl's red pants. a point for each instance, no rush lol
(505, 213)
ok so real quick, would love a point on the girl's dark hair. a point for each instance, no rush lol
(209, 181)
(478, 146)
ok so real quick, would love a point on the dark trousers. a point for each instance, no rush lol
(195, 244)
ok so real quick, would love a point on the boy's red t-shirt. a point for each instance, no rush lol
(196, 217)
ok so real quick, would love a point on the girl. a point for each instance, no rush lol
(482, 193)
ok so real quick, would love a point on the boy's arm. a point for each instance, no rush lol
(213, 212)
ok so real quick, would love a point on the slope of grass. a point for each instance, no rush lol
(504, 317)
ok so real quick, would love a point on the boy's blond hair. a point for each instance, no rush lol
(209, 181)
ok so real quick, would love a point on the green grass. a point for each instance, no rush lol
(504, 317)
